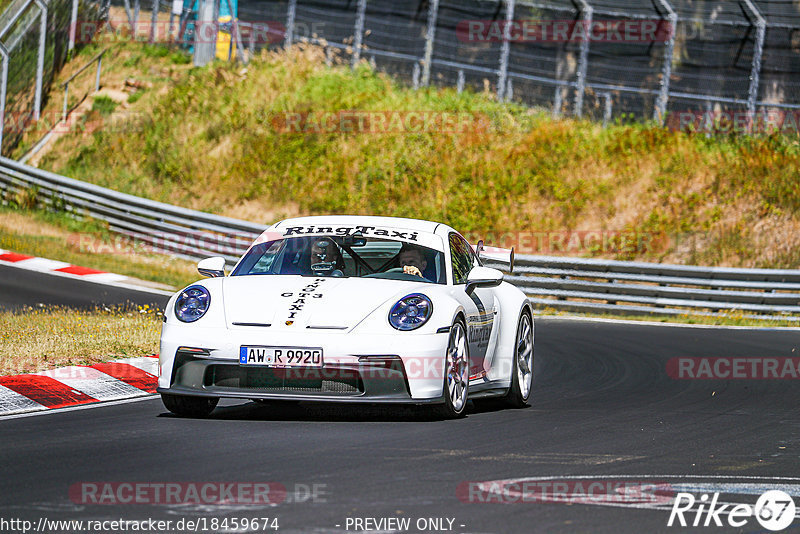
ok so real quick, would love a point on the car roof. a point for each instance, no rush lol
(363, 220)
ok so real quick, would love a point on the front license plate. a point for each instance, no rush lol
(281, 356)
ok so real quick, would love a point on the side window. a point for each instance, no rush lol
(462, 257)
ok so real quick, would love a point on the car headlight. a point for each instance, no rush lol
(410, 312)
(192, 304)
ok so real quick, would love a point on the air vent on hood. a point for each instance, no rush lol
(252, 324)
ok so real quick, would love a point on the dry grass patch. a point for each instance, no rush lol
(38, 339)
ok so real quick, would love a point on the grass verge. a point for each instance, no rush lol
(37, 339)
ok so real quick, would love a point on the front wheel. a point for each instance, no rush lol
(456, 374)
(189, 406)
(522, 369)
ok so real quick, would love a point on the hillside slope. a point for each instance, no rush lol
(246, 142)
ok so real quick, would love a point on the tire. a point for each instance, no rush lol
(455, 388)
(189, 406)
(522, 369)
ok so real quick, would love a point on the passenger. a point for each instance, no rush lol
(412, 259)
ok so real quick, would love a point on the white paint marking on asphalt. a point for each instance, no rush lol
(94, 383)
(78, 407)
(12, 402)
(103, 277)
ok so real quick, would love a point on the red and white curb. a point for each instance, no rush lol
(70, 386)
(41, 264)
(60, 268)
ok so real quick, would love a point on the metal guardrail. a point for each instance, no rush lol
(638, 288)
(163, 227)
(570, 284)
(99, 59)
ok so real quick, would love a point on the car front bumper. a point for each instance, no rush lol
(398, 368)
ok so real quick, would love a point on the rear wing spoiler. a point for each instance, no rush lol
(502, 255)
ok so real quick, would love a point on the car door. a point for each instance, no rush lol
(479, 305)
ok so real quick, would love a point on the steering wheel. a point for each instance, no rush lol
(395, 270)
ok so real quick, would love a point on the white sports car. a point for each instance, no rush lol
(349, 309)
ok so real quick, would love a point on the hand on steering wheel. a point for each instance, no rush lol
(412, 270)
(406, 269)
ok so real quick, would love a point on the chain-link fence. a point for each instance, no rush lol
(36, 37)
(688, 62)
(605, 59)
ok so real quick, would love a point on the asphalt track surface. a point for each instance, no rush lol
(603, 405)
(22, 287)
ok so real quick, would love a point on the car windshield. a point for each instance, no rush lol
(347, 257)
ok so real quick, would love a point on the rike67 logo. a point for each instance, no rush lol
(774, 510)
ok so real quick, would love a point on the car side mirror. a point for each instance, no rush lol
(483, 277)
(212, 267)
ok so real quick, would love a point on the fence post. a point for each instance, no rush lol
(73, 21)
(606, 108)
(557, 102)
(666, 73)
(430, 36)
(503, 71)
(291, 12)
(97, 76)
(3, 87)
(130, 17)
(37, 103)
(359, 31)
(205, 42)
(172, 19)
(136, 6)
(154, 20)
(755, 71)
(708, 120)
(460, 81)
(66, 101)
(587, 14)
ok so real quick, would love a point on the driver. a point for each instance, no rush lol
(326, 258)
(412, 259)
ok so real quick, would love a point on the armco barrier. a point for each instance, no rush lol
(571, 284)
(608, 286)
(180, 231)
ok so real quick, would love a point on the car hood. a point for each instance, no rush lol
(291, 302)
